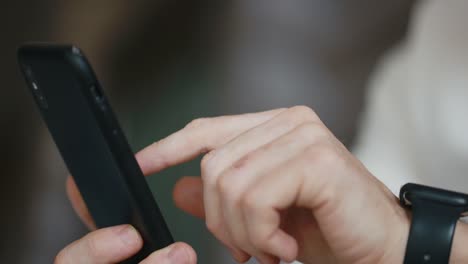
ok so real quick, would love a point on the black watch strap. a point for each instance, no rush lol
(431, 234)
(435, 214)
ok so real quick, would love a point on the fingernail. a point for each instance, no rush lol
(129, 235)
(177, 255)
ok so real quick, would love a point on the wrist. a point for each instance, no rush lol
(398, 233)
(401, 235)
(459, 253)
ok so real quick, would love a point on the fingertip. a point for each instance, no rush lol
(284, 246)
(71, 189)
(241, 257)
(153, 158)
(185, 182)
(78, 204)
(143, 161)
(69, 182)
(129, 237)
(107, 245)
(188, 196)
(238, 255)
(178, 252)
(181, 252)
(120, 241)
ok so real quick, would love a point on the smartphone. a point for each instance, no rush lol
(91, 142)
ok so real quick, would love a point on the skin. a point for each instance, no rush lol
(274, 185)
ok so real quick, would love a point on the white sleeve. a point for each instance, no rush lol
(415, 125)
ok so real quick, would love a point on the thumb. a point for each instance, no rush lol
(188, 196)
(107, 245)
(178, 253)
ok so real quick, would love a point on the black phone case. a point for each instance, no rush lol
(91, 142)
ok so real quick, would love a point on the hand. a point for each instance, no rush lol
(116, 244)
(278, 185)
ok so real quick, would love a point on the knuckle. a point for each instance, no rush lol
(62, 257)
(329, 191)
(323, 154)
(242, 162)
(227, 188)
(329, 155)
(251, 202)
(207, 163)
(311, 131)
(237, 238)
(259, 240)
(197, 123)
(304, 112)
(214, 226)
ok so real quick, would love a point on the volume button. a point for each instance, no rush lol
(98, 97)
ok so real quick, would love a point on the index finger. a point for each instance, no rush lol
(198, 137)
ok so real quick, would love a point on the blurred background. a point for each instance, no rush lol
(164, 63)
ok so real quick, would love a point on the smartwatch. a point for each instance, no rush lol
(435, 213)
